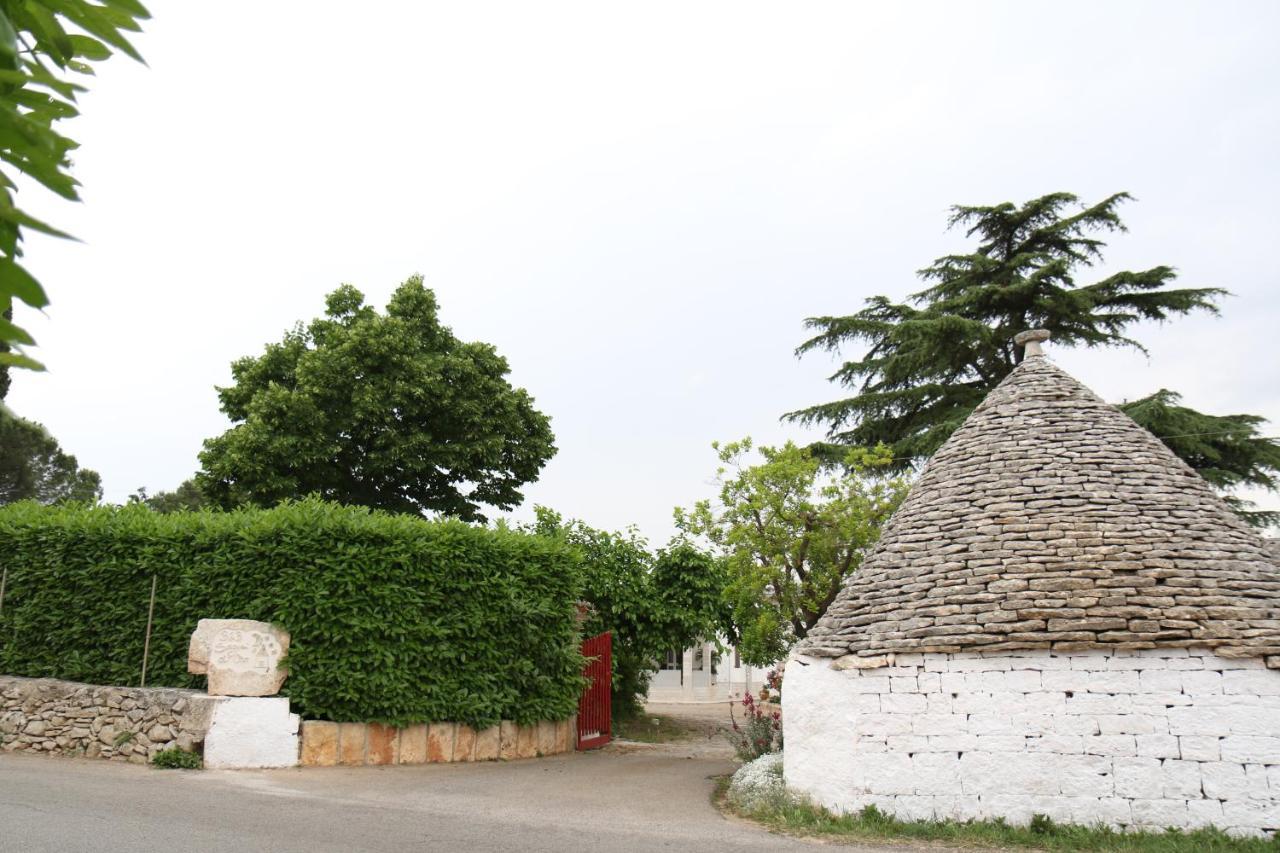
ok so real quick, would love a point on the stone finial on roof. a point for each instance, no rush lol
(1030, 340)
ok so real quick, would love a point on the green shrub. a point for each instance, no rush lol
(176, 759)
(393, 619)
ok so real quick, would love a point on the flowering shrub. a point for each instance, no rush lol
(758, 784)
(760, 732)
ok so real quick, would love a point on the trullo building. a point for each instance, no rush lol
(1062, 618)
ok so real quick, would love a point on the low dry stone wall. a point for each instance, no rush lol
(1149, 739)
(120, 723)
(326, 744)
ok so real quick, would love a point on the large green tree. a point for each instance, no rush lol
(651, 602)
(47, 48)
(34, 467)
(389, 411)
(789, 531)
(927, 362)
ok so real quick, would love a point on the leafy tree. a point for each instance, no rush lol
(46, 49)
(389, 411)
(1227, 450)
(34, 467)
(186, 497)
(650, 602)
(790, 531)
(931, 360)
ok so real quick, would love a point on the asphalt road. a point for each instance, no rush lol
(606, 801)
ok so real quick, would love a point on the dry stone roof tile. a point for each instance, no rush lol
(1050, 520)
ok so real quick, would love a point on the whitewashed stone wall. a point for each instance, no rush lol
(1147, 739)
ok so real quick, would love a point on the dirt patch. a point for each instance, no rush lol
(694, 730)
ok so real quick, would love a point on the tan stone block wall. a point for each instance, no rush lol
(326, 744)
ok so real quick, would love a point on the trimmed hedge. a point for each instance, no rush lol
(393, 619)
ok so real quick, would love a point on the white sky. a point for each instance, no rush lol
(638, 205)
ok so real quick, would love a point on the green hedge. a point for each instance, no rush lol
(393, 618)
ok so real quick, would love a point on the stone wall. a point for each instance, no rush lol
(1149, 739)
(121, 723)
(326, 744)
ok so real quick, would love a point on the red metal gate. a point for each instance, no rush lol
(594, 711)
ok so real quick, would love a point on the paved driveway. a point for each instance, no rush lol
(605, 801)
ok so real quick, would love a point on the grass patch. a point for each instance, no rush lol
(658, 728)
(798, 817)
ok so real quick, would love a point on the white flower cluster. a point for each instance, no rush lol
(758, 782)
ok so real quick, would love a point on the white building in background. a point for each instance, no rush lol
(702, 674)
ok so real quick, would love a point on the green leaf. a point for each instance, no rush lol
(13, 359)
(17, 281)
(89, 47)
(8, 43)
(13, 334)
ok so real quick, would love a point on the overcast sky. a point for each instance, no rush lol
(636, 204)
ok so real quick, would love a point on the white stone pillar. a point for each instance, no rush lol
(686, 675)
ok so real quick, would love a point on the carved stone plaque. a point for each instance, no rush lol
(240, 656)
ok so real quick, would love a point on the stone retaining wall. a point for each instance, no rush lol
(1149, 739)
(121, 723)
(326, 744)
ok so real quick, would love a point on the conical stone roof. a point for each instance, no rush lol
(1051, 520)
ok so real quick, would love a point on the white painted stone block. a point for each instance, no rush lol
(251, 732)
(1160, 681)
(1092, 703)
(1062, 744)
(1112, 811)
(908, 744)
(1201, 683)
(904, 703)
(1131, 724)
(1251, 682)
(1075, 725)
(953, 743)
(1137, 777)
(1159, 813)
(868, 684)
(940, 724)
(936, 773)
(1064, 680)
(901, 684)
(1161, 746)
(1196, 748)
(887, 773)
(1179, 779)
(1251, 749)
(883, 724)
(1258, 814)
(1023, 681)
(1224, 781)
(1116, 745)
(1119, 681)
(1204, 812)
(1084, 776)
